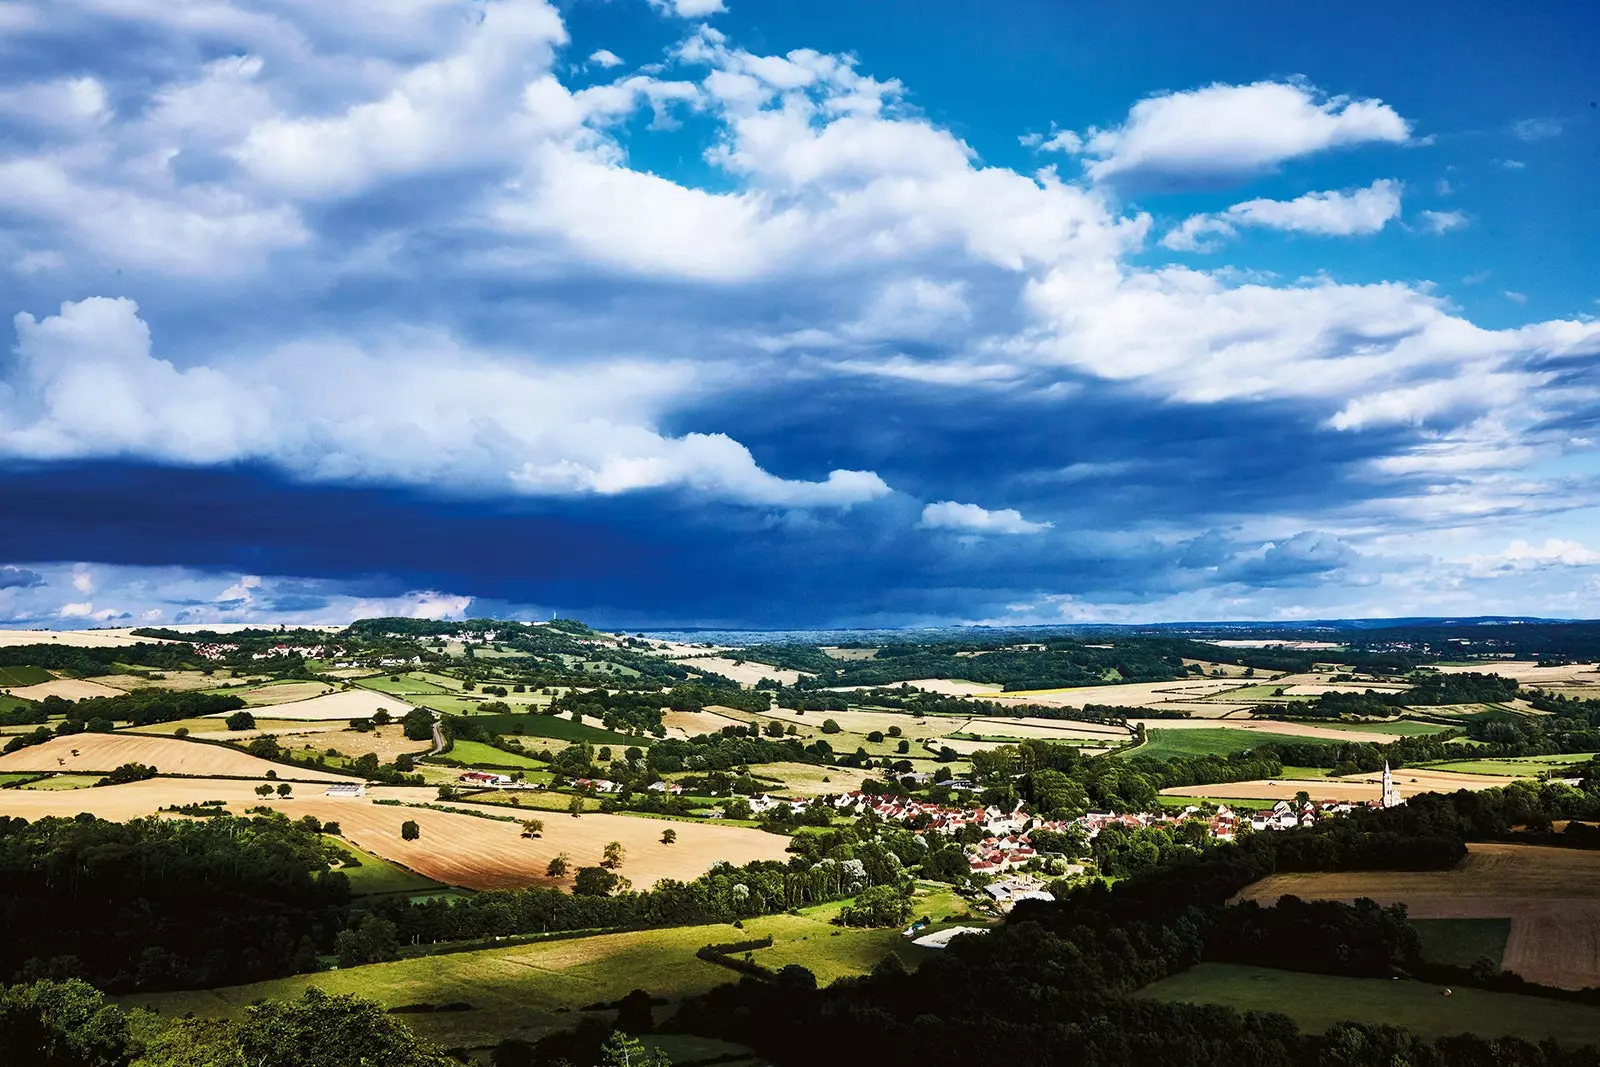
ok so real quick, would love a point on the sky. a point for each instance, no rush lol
(663, 313)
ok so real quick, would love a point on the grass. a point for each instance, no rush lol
(1236, 803)
(478, 754)
(1462, 942)
(530, 800)
(13, 779)
(1403, 728)
(377, 875)
(408, 685)
(558, 728)
(17, 677)
(1305, 772)
(1516, 766)
(1221, 741)
(64, 781)
(1316, 1002)
(530, 990)
(11, 703)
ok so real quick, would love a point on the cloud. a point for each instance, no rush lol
(689, 9)
(1523, 557)
(1515, 297)
(604, 57)
(82, 579)
(1444, 221)
(1536, 129)
(949, 515)
(13, 577)
(1232, 130)
(1328, 214)
(1307, 555)
(91, 386)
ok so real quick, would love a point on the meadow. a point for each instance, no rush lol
(1317, 1001)
(1551, 897)
(1463, 942)
(1217, 741)
(377, 876)
(532, 989)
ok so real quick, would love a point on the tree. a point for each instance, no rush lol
(371, 941)
(774, 728)
(284, 789)
(332, 828)
(613, 855)
(418, 724)
(381, 717)
(241, 720)
(593, 882)
(69, 1024)
(669, 836)
(327, 1030)
(1302, 798)
(532, 827)
(620, 1050)
(633, 1013)
(557, 868)
(737, 808)
(829, 726)
(903, 747)
(409, 830)
(263, 790)
(575, 806)
(447, 791)
(881, 905)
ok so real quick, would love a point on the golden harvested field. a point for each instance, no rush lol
(1046, 729)
(1357, 787)
(279, 692)
(73, 638)
(212, 728)
(694, 723)
(66, 689)
(1528, 672)
(347, 704)
(385, 743)
(747, 673)
(483, 853)
(170, 755)
(174, 680)
(1294, 729)
(952, 687)
(462, 850)
(1131, 695)
(1551, 895)
(808, 780)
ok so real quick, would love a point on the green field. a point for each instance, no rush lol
(17, 677)
(408, 685)
(377, 875)
(530, 990)
(64, 781)
(14, 778)
(1462, 942)
(1317, 1001)
(1402, 728)
(478, 754)
(1515, 766)
(11, 703)
(1218, 741)
(556, 727)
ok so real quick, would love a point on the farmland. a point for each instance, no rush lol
(106, 752)
(529, 990)
(1551, 896)
(1317, 1001)
(1356, 787)
(1170, 744)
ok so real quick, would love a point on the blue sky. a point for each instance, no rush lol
(726, 312)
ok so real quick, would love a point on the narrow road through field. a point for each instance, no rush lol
(438, 735)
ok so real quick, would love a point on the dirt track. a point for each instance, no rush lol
(1551, 895)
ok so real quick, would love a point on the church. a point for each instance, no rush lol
(1391, 792)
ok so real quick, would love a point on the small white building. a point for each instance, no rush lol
(346, 789)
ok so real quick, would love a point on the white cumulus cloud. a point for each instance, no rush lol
(1224, 130)
(1327, 214)
(689, 9)
(1444, 221)
(972, 518)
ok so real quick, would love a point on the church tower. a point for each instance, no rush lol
(1391, 795)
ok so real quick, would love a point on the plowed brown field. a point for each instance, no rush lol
(1551, 895)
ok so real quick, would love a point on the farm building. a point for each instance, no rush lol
(345, 789)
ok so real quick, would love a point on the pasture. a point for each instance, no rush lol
(62, 782)
(84, 753)
(532, 989)
(1462, 942)
(377, 876)
(1518, 766)
(16, 677)
(478, 754)
(1550, 895)
(1218, 741)
(1317, 1001)
(1302, 731)
(1356, 787)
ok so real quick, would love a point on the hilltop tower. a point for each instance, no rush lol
(1391, 793)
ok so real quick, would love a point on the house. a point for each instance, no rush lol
(665, 787)
(485, 778)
